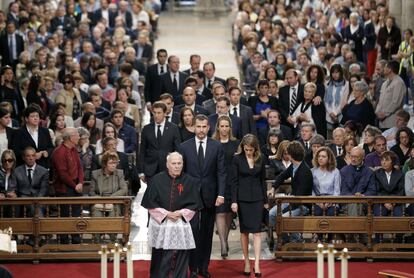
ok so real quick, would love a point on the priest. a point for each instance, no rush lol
(172, 198)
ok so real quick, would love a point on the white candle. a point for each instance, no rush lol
(319, 256)
(104, 261)
(130, 269)
(344, 263)
(117, 259)
(331, 261)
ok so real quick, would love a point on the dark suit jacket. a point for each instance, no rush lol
(236, 125)
(22, 139)
(302, 182)
(98, 16)
(167, 84)
(69, 24)
(284, 102)
(210, 106)
(91, 17)
(262, 134)
(332, 146)
(40, 181)
(4, 48)
(197, 109)
(213, 175)
(10, 136)
(152, 156)
(394, 188)
(221, 80)
(247, 184)
(247, 122)
(152, 89)
(127, 19)
(147, 52)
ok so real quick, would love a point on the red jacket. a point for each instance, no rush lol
(67, 168)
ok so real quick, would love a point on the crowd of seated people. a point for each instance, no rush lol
(315, 73)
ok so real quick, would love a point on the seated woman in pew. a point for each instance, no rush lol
(108, 182)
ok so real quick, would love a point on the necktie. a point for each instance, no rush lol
(209, 84)
(11, 47)
(235, 111)
(201, 155)
(167, 118)
(293, 101)
(162, 70)
(29, 175)
(339, 150)
(307, 145)
(159, 135)
(175, 85)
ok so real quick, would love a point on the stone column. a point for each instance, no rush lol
(407, 14)
(395, 8)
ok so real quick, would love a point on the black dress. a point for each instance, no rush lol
(249, 192)
(400, 154)
(230, 149)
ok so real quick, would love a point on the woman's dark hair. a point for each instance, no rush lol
(410, 135)
(410, 161)
(338, 68)
(321, 74)
(181, 124)
(390, 155)
(53, 120)
(69, 77)
(262, 82)
(85, 119)
(269, 68)
(277, 133)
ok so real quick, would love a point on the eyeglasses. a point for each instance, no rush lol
(10, 160)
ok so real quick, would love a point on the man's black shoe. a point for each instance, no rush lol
(204, 273)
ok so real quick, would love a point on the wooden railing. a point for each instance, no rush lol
(363, 228)
(38, 233)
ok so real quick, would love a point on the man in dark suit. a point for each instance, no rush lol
(204, 160)
(273, 120)
(195, 61)
(152, 87)
(244, 112)
(171, 115)
(105, 13)
(174, 81)
(189, 98)
(307, 131)
(125, 13)
(302, 184)
(11, 45)
(13, 14)
(125, 131)
(62, 21)
(143, 49)
(218, 91)
(33, 135)
(336, 146)
(158, 139)
(209, 70)
(222, 108)
(201, 89)
(32, 179)
(290, 96)
(191, 82)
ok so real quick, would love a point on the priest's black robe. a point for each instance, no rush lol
(165, 192)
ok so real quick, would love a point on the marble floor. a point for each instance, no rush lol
(183, 34)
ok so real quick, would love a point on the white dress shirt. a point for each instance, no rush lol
(204, 144)
(34, 134)
(161, 127)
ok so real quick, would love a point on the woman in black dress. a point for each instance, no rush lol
(404, 139)
(249, 196)
(186, 126)
(224, 215)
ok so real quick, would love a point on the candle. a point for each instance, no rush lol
(117, 259)
(319, 257)
(344, 263)
(331, 261)
(130, 270)
(104, 261)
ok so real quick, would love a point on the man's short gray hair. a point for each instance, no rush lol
(68, 132)
(170, 155)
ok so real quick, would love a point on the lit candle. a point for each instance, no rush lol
(344, 263)
(117, 259)
(319, 256)
(331, 261)
(104, 261)
(130, 270)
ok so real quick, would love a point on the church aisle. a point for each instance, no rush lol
(183, 34)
